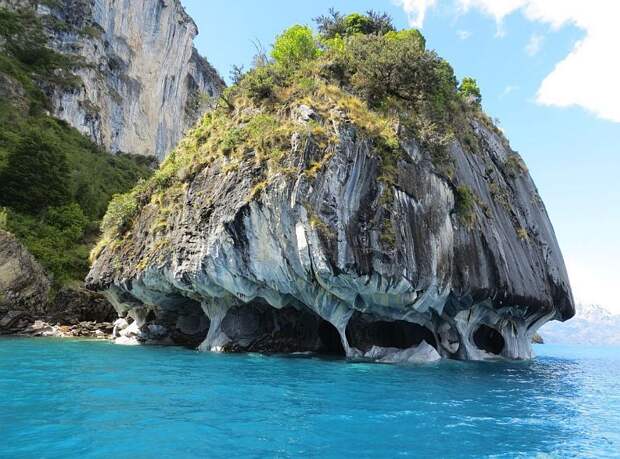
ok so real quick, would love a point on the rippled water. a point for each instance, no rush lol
(92, 399)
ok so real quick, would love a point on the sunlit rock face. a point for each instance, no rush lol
(142, 81)
(305, 265)
(23, 283)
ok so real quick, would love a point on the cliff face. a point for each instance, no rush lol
(23, 283)
(333, 258)
(142, 82)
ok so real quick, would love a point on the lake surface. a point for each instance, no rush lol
(93, 399)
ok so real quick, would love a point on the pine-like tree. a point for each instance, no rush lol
(36, 175)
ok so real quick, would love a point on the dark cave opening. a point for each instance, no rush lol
(331, 344)
(259, 327)
(151, 317)
(183, 318)
(488, 339)
(364, 331)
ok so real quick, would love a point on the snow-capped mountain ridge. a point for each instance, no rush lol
(592, 325)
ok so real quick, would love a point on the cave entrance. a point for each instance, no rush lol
(186, 322)
(259, 327)
(364, 331)
(151, 317)
(331, 344)
(488, 339)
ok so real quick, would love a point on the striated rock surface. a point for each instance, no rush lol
(74, 305)
(334, 259)
(141, 81)
(345, 197)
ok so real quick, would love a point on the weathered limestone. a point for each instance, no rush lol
(316, 245)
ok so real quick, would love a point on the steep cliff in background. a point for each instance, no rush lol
(141, 81)
(80, 79)
(345, 198)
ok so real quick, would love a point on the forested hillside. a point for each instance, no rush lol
(55, 184)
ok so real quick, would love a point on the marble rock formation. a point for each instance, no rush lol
(305, 265)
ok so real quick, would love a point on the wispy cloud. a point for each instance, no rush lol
(534, 44)
(463, 34)
(587, 77)
(508, 90)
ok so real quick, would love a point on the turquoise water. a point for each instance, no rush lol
(92, 399)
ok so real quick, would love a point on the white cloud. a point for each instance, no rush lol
(593, 283)
(415, 10)
(508, 90)
(463, 34)
(587, 76)
(534, 44)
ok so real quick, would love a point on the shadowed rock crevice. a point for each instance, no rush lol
(365, 331)
(176, 320)
(490, 340)
(259, 327)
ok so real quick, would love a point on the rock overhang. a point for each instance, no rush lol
(272, 250)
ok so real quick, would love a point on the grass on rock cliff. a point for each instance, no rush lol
(357, 70)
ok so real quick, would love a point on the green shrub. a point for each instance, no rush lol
(231, 139)
(4, 219)
(122, 209)
(56, 238)
(465, 205)
(396, 66)
(295, 46)
(470, 91)
(514, 165)
(523, 234)
(335, 24)
(259, 83)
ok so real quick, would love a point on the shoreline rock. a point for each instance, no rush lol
(307, 254)
(26, 308)
(19, 323)
(23, 282)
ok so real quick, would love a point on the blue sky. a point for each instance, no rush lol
(542, 74)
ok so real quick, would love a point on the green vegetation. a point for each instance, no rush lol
(295, 46)
(26, 59)
(356, 70)
(514, 165)
(55, 184)
(4, 219)
(523, 234)
(36, 174)
(465, 205)
(335, 24)
(470, 91)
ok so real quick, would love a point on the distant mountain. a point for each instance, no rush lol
(592, 324)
